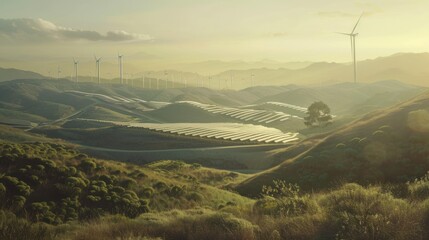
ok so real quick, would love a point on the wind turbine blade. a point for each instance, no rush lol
(357, 23)
(348, 34)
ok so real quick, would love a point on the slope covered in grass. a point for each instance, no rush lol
(55, 184)
(7, 74)
(10, 134)
(99, 112)
(390, 145)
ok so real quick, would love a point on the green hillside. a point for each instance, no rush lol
(387, 146)
(7, 74)
(50, 191)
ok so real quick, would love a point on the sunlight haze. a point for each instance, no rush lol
(159, 34)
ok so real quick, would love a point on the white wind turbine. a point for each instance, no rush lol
(58, 73)
(76, 66)
(121, 76)
(352, 36)
(97, 64)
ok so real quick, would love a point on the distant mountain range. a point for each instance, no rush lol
(410, 68)
(214, 67)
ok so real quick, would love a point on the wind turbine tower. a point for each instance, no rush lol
(76, 65)
(121, 76)
(352, 36)
(58, 73)
(97, 64)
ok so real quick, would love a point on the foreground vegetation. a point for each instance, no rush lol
(49, 191)
(349, 212)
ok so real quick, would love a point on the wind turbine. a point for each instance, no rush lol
(97, 64)
(352, 36)
(121, 76)
(76, 65)
(58, 73)
(166, 79)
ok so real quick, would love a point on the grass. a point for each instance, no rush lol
(9, 134)
(176, 224)
(387, 146)
(188, 201)
(129, 138)
(98, 112)
(347, 212)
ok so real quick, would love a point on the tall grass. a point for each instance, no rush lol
(174, 225)
(348, 212)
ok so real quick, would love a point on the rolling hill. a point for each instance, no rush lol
(7, 74)
(387, 146)
(410, 68)
(343, 98)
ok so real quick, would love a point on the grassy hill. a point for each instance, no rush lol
(117, 137)
(343, 98)
(388, 146)
(7, 74)
(51, 191)
(11, 134)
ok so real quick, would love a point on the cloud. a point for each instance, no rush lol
(40, 30)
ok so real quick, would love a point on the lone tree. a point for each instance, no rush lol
(319, 113)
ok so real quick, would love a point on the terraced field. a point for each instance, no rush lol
(225, 131)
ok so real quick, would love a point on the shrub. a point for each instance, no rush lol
(359, 213)
(419, 189)
(194, 196)
(147, 192)
(87, 166)
(378, 134)
(190, 224)
(12, 228)
(340, 146)
(283, 199)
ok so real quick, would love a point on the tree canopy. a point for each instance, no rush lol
(318, 113)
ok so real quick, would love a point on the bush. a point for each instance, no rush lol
(419, 189)
(12, 228)
(359, 213)
(87, 166)
(340, 146)
(378, 134)
(194, 196)
(191, 224)
(283, 199)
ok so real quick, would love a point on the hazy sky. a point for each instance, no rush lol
(191, 30)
